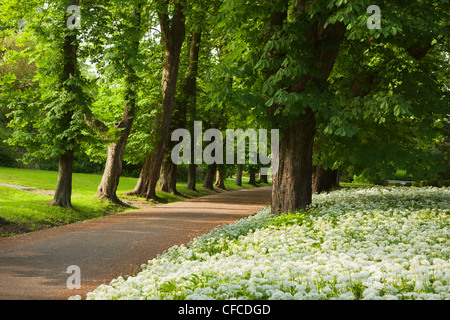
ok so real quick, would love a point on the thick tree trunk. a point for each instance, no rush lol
(252, 180)
(220, 177)
(116, 150)
(208, 182)
(146, 184)
(190, 91)
(168, 177)
(264, 178)
(113, 169)
(192, 177)
(63, 191)
(324, 180)
(173, 31)
(240, 169)
(292, 184)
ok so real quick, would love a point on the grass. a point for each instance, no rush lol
(22, 211)
(355, 185)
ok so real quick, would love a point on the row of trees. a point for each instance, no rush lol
(343, 95)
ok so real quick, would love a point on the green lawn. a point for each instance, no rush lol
(355, 185)
(22, 211)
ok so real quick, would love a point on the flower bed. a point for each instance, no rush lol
(376, 243)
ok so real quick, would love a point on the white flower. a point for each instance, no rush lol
(371, 292)
(419, 287)
(391, 289)
(371, 238)
(299, 296)
(347, 296)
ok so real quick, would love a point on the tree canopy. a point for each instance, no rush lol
(351, 86)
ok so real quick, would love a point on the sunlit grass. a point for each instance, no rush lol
(23, 211)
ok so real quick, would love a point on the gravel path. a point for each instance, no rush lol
(28, 189)
(34, 266)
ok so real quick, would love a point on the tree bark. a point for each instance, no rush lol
(190, 91)
(220, 177)
(208, 182)
(292, 184)
(143, 187)
(113, 167)
(324, 180)
(173, 33)
(240, 168)
(264, 178)
(252, 179)
(192, 177)
(63, 191)
(168, 177)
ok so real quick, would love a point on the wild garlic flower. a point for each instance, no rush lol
(375, 243)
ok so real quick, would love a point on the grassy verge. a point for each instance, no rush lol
(27, 210)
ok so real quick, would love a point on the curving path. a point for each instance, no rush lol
(33, 266)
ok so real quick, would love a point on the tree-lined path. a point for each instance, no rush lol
(34, 266)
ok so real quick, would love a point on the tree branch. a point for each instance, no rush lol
(94, 123)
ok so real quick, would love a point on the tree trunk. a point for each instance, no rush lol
(113, 167)
(116, 150)
(324, 180)
(173, 31)
(190, 91)
(192, 177)
(63, 191)
(292, 184)
(168, 177)
(240, 168)
(146, 184)
(264, 178)
(252, 180)
(208, 182)
(220, 177)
